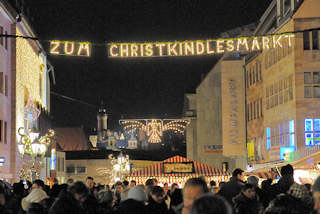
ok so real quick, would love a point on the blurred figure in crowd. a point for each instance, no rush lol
(233, 187)
(137, 193)
(36, 195)
(105, 200)
(213, 187)
(90, 183)
(254, 180)
(211, 204)
(193, 188)
(285, 181)
(316, 195)
(267, 192)
(70, 181)
(175, 196)
(246, 201)
(156, 203)
(70, 201)
(296, 200)
(133, 183)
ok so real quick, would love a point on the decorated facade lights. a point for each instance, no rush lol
(32, 144)
(154, 128)
(120, 166)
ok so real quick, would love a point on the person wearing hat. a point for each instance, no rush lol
(137, 193)
(105, 200)
(35, 196)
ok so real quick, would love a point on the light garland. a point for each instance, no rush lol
(154, 128)
(120, 167)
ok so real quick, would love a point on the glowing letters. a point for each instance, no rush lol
(199, 47)
(70, 48)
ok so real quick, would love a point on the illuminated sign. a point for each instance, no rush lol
(199, 47)
(284, 151)
(53, 159)
(70, 48)
(183, 167)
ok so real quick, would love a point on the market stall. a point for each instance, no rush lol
(178, 170)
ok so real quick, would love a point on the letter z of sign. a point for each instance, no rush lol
(55, 45)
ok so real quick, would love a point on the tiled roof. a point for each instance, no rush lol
(71, 139)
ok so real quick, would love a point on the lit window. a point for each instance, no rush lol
(291, 132)
(268, 138)
(312, 131)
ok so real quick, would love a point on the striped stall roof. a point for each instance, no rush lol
(200, 169)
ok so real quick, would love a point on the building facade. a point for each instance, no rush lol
(282, 87)
(23, 77)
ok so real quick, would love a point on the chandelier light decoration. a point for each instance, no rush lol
(32, 144)
(120, 167)
(154, 128)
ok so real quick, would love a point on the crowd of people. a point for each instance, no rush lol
(238, 196)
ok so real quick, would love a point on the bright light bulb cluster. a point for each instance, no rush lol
(120, 166)
(154, 128)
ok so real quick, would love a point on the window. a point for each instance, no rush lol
(1, 38)
(312, 85)
(6, 86)
(6, 41)
(316, 79)
(268, 138)
(308, 92)
(1, 82)
(286, 5)
(81, 169)
(5, 133)
(306, 41)
(312, 131)
(315, 40)
(316, 91)
(1, 125)
(291, 132)
(307, 78)
(71, 169)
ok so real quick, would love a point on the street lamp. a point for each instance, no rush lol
(120, 166)
(33, 145)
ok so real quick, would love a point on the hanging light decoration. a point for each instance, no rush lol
(120, 166)
(154, 128)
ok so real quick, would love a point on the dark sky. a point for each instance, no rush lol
(131, 87)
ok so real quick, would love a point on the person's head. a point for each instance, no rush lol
(193, 188)
(174, 186)
(70, 181)
(287, 170)
(221, 184)
(79, 191)
(38, 184)
(254, 180)
(137, 193)
(118, 187)
(155, 182)
(249, 191)
(308, 186)
(166, 187)
(238, 173)
(212, 183)
(125, 183)
(211, 204)
(149, 182)
(157, 194)
(90, 182)
(105, 196)
(133, 183)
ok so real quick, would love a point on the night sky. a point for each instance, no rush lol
(131, 87)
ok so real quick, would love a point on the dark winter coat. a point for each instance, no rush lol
(286, 204)
(245, 205)
(156, 208)
(131, 206)
(283, 184)
(231, 189)
(66, 204)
